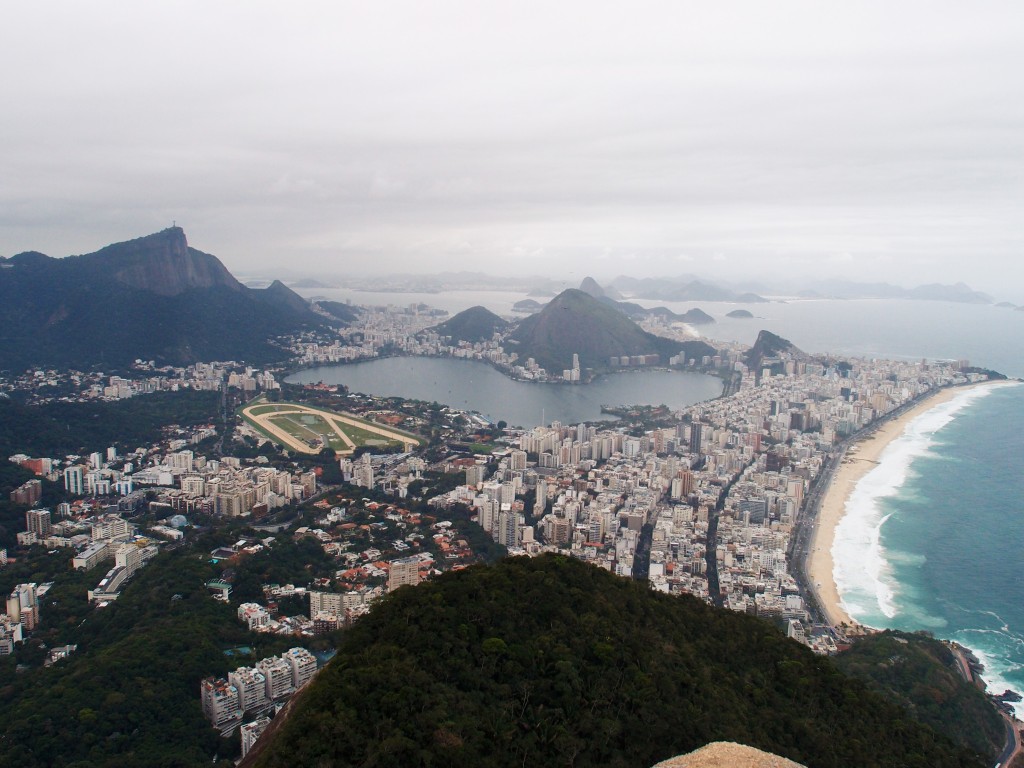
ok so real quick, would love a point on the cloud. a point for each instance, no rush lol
(837, 137)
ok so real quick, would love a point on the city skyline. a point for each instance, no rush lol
(870, 143)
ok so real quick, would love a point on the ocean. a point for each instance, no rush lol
(932, 536)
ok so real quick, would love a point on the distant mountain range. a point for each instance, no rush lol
(634, 311)
(845, 289)
(676, 289)
(153, 298)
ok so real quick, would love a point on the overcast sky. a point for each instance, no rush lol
(879, 141)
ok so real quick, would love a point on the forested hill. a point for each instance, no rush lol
(472, 325)
(153, 298)
(550, 661)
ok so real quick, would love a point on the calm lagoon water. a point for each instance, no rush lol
(475, 386)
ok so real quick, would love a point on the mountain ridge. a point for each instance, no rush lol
(153, 298)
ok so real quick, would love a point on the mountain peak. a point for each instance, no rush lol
(769, 346)
(472, 325)
(162, 263)
(576, 323)
(591, 286)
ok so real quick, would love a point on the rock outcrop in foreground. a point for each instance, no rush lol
(726, 754)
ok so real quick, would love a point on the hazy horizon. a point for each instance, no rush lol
(788, 142)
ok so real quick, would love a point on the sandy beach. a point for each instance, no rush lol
(860, 459)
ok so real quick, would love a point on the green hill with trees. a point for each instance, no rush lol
(551, 661)
(471, 325)
(921, 674)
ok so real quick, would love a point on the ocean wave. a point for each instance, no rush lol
(862, 569)
(993, 656)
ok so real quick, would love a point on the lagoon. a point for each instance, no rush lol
(472, 385)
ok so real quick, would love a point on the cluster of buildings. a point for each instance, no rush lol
(146, 377)
(22, 615)
(707, 506)
(187, 483)
(258, 690)
(95, 539)
(102, 474)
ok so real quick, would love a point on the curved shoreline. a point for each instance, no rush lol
(858, 459)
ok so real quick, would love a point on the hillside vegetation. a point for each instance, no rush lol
(921, 673)
(550, 661)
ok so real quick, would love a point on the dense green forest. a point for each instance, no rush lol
(57, 429)
(551, 661)
(921, 674)
(130, 695)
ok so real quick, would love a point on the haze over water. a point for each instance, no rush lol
(986, 335)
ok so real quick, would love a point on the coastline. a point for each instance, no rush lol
(859, 459)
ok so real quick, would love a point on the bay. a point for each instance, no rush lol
(476, 386)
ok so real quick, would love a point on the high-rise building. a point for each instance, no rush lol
(255, 616)
(74, 480)
(541, 502)
(696, 433)
(303, 665)
(403, 571)
(23, 605)
(111, 527)
(27, 493)
(507, 529)
(38, 521)
(278, 674)
(182, 460)
(363, 472)
(517, 460)
(251, 733)
(221, 704)
(252, 689)
(329, 603)
(475, 475)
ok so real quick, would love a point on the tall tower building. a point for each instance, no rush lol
(517, 460)
(38, 521)
(696, 432)
(74, 480)
(403, 571)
